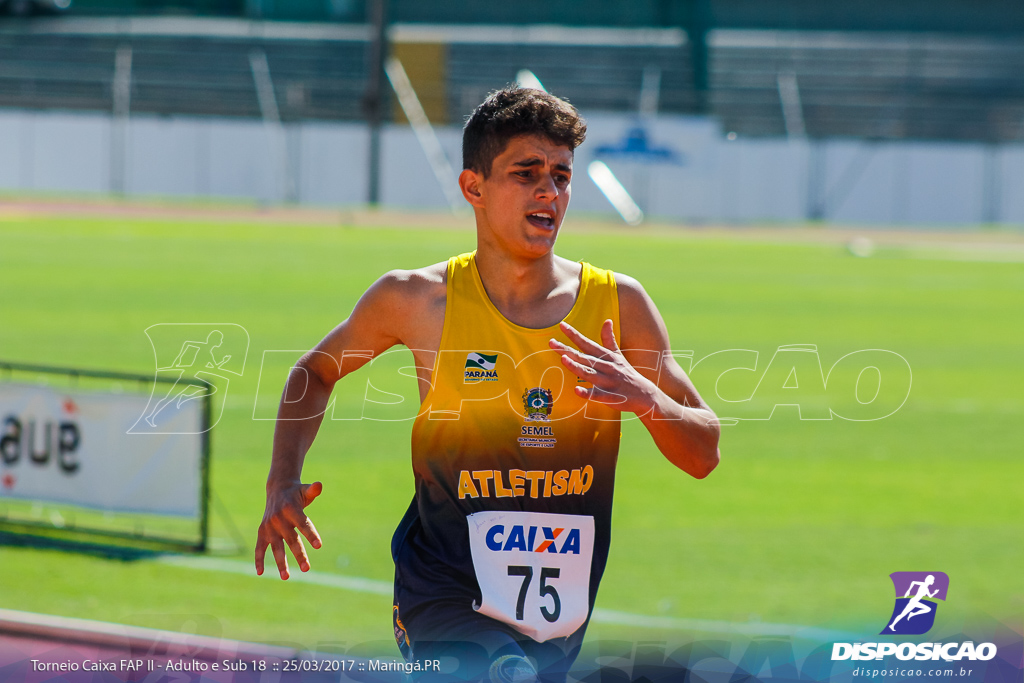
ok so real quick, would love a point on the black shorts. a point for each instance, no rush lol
(474, 647)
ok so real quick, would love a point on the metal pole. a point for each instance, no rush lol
(792, 109)
(699, 18)
(376, 11)
(264, 86)
(204, 510)
(992, 185)
(279, 153)
(122, 92)
(650, 91)
(816, 180)
(425, 134)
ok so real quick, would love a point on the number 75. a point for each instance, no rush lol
(545, 573)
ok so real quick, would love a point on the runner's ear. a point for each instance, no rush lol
(469, 183)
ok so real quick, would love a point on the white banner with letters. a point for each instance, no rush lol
(73, 447)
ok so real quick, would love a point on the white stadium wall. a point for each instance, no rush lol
(1010, 196)
(761, 179)
(710, 179)
(54, 152)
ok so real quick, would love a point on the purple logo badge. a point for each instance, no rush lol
(916, 593)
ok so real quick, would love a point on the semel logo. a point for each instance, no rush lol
(914, 612)
(537, 403)
(527, 539)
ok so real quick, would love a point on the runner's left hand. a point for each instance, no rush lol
(614, 381)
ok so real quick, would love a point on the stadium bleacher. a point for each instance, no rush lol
(184, 73)
(863, 85)
(871, 85)
(606, 79)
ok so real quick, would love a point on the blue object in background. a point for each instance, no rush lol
(636, 147)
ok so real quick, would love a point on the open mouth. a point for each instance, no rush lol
(542, 219)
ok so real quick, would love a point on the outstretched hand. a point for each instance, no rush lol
(613, 380)
(283, 515)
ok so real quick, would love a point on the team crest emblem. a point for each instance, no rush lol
(537, 403)
(480, 368)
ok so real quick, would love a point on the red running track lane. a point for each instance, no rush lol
(98, 652)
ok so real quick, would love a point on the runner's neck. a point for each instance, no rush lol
(535, 293)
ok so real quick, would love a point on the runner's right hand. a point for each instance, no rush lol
(282, 516)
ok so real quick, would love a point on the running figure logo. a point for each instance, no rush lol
(184, 353)
(914, 612)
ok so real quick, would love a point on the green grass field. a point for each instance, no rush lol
(801, 523)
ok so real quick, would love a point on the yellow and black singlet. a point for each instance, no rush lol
(514, 472)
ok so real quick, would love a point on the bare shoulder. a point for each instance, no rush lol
(631, 292)
(401, 307)
(415, 285)
(641, 324)
(413, 303)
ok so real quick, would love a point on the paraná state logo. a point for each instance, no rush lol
(480, 367)
(916, 606)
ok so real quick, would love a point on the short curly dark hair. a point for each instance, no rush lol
(514, 111)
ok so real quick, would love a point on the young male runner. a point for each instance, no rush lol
(525, 361)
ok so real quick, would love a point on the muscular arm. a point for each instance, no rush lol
(379, 321)
(683, 426)
(640, 377)
(346, 348)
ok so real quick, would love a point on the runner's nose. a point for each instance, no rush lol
(547, 188)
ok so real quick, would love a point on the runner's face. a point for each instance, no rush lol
(525, 197)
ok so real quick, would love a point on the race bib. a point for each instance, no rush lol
(533, 569)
